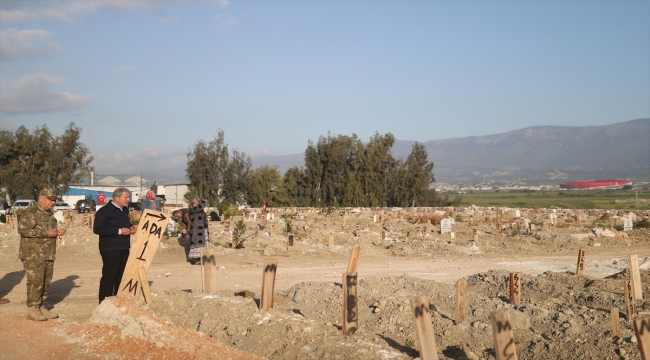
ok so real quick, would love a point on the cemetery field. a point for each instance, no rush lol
(564, 284)
(572, 199)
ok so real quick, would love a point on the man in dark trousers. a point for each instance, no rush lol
(114, 228)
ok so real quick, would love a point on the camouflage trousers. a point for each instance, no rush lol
(39, 277)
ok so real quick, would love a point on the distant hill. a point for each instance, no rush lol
(621, 148)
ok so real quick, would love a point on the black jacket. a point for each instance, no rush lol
(108, 220)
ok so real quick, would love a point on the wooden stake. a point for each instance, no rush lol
(290, 241)
(461, 301)
(268, 284)
(147, 238)
(350, 304)
(424, 328)
(616, 324)
(354, 260)
(630, 312)
(515, 288)
(208, 271)
(642, 330)
(636, 277)
(383, 237)
(580, 268)
(331, 240)
(144, 282)
(272, 230)
(504, 342)
(475, 236)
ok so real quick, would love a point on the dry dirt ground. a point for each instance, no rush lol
(561, 315)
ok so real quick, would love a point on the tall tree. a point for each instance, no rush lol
(216, 175)
(266, 185)
(32, 161)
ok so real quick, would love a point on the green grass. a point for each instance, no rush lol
(573, 199)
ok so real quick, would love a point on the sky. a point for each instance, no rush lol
(145, 80)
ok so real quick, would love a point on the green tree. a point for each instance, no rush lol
(295, 187)
(216, 175)
(32, 161)
(266, 185)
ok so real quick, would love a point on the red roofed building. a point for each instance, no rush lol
(594, 184)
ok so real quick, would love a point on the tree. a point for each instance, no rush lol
(32, 161)
(214, 174)
(266, 185)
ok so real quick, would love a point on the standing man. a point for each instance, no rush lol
(114, 228)
(38, 231)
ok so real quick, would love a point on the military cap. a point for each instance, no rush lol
(49, 193)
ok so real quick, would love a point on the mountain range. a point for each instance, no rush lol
(536, 153)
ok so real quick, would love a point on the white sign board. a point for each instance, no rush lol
(627, 225)
(445, 225)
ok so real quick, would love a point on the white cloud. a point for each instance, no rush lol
(226, 20)
(26, 43)
(124, 69)
(164, 164)
(73, 10)
(30, 94)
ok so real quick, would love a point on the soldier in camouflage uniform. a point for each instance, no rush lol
(38, 232)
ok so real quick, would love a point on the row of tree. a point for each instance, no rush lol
(339, 171)
(32, 161)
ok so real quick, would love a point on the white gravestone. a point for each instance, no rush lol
(517, 213)
(527, 225)
(445, 226)
(627, 225)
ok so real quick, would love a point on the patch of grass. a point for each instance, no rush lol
(558, 295)
(410, 342)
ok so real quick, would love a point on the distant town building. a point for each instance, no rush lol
(595, 184)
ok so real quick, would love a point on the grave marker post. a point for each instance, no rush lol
(353, 265)
(383, 237)
(424, 328)
(268, 284)
(350, 304)
(642, 331)
(208, 271)
(147, 238)
(515, 288)
(580, 268)
(331, 240)
(636, 277)
(616, 324)
(504, 342)
(630, 311)
(461, 301)
(290, 240)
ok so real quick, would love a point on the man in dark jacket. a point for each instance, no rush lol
(114, 228)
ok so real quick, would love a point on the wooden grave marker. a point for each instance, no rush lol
(504, 341)
(580, 268)
(515, 288)
(268, 284)
(408, 234)
(636, 277)
(233, 241)
(356, 233)
(642, 331)
(475, 236)
(146, 291)
(350, 304)
(272, 230)
(616, 324)
(353, 265)
(424, 328)
(382, 237)
(147, 238)
(290, 241)
(630, 311)
(461, 301)
(208, 271)
(331, 240)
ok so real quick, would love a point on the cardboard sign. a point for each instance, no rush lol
(147, 238)
(424, 328)
(350, 304)
(504, 341)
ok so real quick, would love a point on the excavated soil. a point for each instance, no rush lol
(561, 315)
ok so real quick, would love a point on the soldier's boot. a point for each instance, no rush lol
(34, 313)
(48, 314)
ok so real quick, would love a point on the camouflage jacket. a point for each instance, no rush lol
(33, 224)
